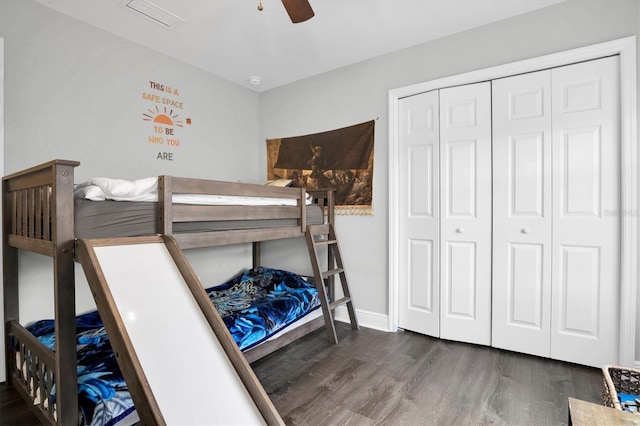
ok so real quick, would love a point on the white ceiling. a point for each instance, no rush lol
(234, 40)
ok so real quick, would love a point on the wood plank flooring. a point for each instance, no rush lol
(13, 410)
(378, 378)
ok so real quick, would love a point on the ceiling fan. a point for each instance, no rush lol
(298, 10)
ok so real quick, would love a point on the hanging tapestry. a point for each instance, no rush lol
(340, 159)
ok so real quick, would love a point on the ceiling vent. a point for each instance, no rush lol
(154, 13)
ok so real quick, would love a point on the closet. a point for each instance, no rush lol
(509, 212)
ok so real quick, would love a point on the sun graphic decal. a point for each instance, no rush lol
(164, 117)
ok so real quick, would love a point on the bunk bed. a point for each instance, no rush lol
(41, 215)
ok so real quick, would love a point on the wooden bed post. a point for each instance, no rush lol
(10, 278)
(257, 255)
(331, 206)
(64, 284)
(165, 218)
(303, 210)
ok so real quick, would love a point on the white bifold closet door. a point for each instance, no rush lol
(556, 215)
(522, 217)
(465, 213)
(419, 210)
(445, 210)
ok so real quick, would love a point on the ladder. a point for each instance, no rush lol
(320, 236)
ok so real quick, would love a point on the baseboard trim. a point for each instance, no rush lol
(366, 319)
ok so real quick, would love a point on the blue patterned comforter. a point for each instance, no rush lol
(254, 305)
(260, 302)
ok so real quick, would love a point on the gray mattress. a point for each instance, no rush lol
(103, 219)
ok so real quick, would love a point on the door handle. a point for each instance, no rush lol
(525, 230)
(459, 230)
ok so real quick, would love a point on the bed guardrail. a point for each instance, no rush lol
(33, 371)
(31, 209)
(174, 213)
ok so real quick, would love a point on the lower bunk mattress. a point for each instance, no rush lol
(255, 305)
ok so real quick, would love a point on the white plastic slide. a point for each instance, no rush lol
(180, 363)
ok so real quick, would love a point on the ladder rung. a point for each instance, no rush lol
(339, 302)
(325, 242)
(332, 272)
(319, 229)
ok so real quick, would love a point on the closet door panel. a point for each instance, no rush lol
(526, 286)
(522, 213)
(419, 210)
(461, 193)
(579, 291)
(465, 161)
(461, 284)
(526, 164)
(581, 195)
(586, 239)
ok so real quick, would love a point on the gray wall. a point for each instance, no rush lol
(359, 92)
(74, 91)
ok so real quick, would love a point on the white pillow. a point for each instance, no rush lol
(90, 192)
(122, 189)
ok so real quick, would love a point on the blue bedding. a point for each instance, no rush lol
(254, 305)
(260, 302)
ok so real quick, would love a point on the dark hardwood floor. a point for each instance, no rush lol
(377, 378)
(13, 410)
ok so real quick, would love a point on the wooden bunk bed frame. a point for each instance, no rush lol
(38, 216)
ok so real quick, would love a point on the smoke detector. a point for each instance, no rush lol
(255, 80)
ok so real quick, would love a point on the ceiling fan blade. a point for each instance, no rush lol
(298, 10)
